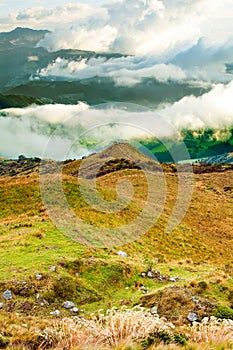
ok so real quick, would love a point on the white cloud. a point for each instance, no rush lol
(126, 71)
(98, 39)
(159, 27)
(51, 18)
(50, 113)
(211, 110)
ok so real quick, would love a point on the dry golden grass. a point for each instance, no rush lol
(109, 330)
(212, 330)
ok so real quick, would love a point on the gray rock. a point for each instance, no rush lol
(52, 268)
(38, 276)
(172, 279)
(7, 295)
(143, 274)
(1, 305)
(68, 305)
(150, 274)
(154, 310)
(55, 313)
(196, 301)
(192, 317)
(122, 254)
(75, 309)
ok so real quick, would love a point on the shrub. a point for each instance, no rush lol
(202, 285)
(223, 312)
(164, 337)
(64, 288)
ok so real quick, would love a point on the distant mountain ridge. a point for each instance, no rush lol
(22, 36)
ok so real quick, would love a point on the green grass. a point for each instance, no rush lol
(30, 243)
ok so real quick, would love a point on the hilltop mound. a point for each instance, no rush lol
(117, 156)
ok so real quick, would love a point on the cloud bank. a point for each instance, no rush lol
(125, 71)
(28, 130)
(211, 110)
(209, 67)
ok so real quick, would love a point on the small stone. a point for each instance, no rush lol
(157, 272)
(150, 274)
(143, 274)
(75, 309)
(154, 310)
(52, 268)
(7, 295)
(1, 305)
(145, 291)
(68, 305)
(38, 276)
(196, 301)
(55, 313)
(122, 254)
(192, 317)
(172, 279)
(143, 287)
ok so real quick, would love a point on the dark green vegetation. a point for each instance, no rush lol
(149, 93)
(200, 144)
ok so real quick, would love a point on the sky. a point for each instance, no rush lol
(7, 7)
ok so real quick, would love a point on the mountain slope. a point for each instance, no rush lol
(22, 37)
(14, 101)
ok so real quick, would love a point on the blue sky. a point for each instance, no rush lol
(18, 5)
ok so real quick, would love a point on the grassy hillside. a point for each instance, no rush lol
(194, 261)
